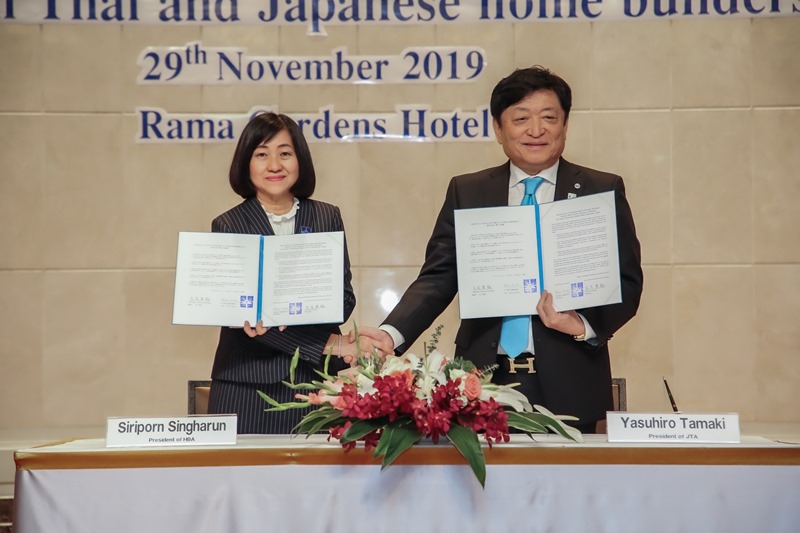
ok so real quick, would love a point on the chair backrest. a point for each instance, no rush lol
(198, 396)
(619, 393)
(620, 397)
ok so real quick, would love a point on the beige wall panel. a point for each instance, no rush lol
(83, 195)
(19, 69)
(712, 187)
(631, 64)
(21, 357)
(632, 144)
(381, 287)
(339, 183)
(214, 185)
(566, 49)
(240, 98)
(579, 138)
(776, 187)
(716, 341)
(82, 68)
(83, 342)
(642, 350)
(776, 61)
(712, 64)
(355, 317)
(496, 41)
(88, 218)
(308, 98)
(159, 357)
(173, 98)
(396, 211)
(455, 158)
(382, 98)
(777, 307)
(21, 188)
(162, 195)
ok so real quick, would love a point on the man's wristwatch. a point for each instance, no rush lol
(581, 337)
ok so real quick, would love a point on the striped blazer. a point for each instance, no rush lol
(265, 358)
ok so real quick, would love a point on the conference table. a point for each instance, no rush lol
(284, 484)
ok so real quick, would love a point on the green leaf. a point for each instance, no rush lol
(289, 405)
(523, 422)
(466, 441)
(386, 437)
(299, 386)
(540, 423)
(325, 374)
(315, 416)
(293, 364)
(268, 399)
(396, 438)
(566, 431)
(328, 420)
(361, 428)
(323, 411)
(358, 338)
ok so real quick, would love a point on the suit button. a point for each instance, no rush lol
(494, 345)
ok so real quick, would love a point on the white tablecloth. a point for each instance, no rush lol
(59, 490)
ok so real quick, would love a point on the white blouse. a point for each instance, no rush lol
(283, 224)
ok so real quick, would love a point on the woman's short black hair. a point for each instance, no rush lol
(261, 128)
(522, 83)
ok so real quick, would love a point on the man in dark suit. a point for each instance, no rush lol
(565, 365)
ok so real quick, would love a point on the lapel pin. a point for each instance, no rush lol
(577, 185)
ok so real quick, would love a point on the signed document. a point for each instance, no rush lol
(223, 279)
(507, 255)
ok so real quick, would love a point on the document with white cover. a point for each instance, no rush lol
(507, 255)
(223, 279)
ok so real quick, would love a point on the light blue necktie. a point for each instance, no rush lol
(514, 333)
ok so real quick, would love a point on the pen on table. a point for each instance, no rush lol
(671, 398)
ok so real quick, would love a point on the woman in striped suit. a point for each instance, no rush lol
(273, 171)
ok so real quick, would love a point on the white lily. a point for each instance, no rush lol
(505, 395)
(399, 364)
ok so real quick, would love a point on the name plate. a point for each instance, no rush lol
(182, 431)
(673, 427)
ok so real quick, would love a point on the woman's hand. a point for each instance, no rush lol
(259, 329)
(342, 346)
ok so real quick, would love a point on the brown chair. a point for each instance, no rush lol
(198, 396)
(619, 394)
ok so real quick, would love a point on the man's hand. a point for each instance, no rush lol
(370, 338)
(566, 322)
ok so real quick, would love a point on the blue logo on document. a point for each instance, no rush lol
(577, 289)
(529, 285)
(296, 308)
(305, 229)
(246, 302)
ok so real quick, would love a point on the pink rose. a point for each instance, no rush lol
(472, 386)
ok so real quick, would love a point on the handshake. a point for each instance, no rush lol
(370, 342)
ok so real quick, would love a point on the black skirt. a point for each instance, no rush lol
(242, 399)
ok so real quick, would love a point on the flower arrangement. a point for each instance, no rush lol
(391, 403)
